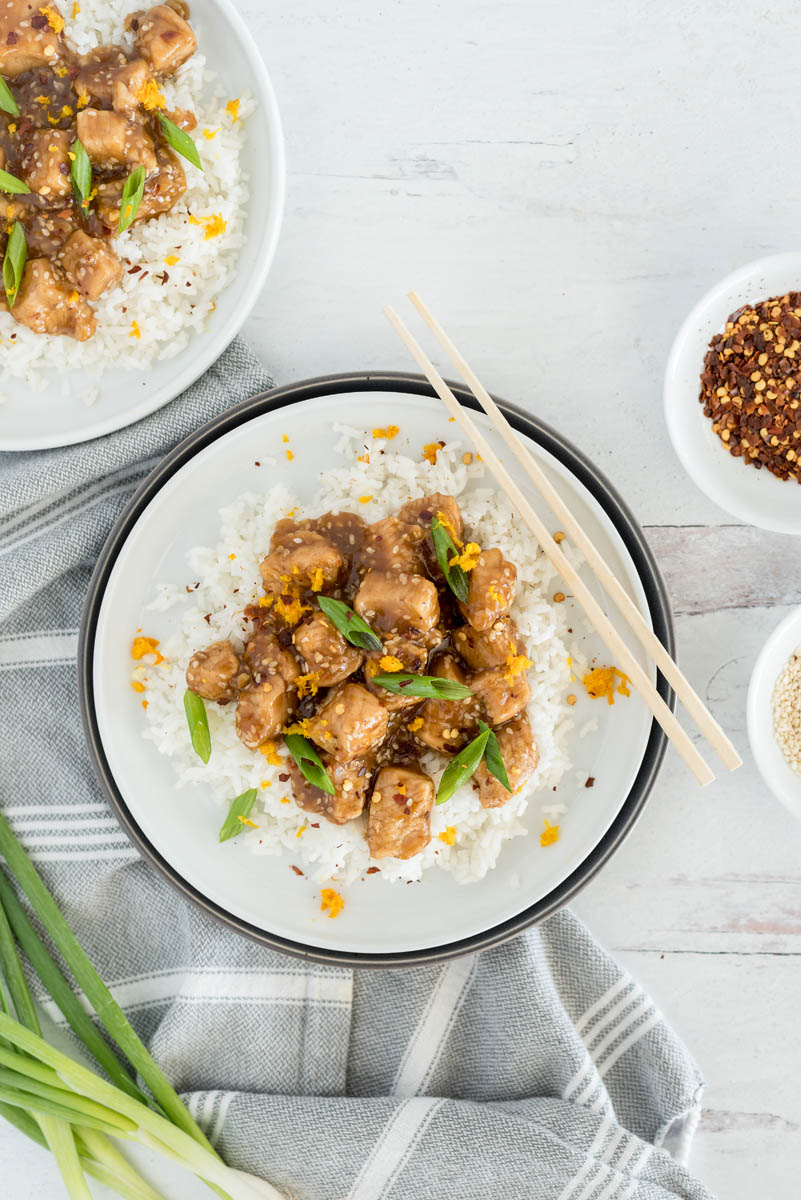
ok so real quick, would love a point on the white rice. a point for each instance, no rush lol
(227, 578)
(166, 314)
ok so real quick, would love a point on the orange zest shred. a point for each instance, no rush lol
(83, 99)
(365, 499)
(603, 681)
(291, 610)
(416, 724)
(390, 663)
(76, 8)
(549, 835)
(307, 685)
(245, 821)
(213, 225)
(289, 455)
(516, 664)
(66, 111)
(301, 727)
(209, 134)
(468, 558)
(447, 525)
(301, 831)
(284, 437)
(172, 260)
(448, 836)
(331, 902)
(54, 18)
(365, 458)
(270, 752)
(389, 432)
(232, 108)
(42, 100)
(431, 450)
(266, 601)
(136, 332)
(137, 686)
(144, 704)
(141, 646)
(150, 97)
(316, 579)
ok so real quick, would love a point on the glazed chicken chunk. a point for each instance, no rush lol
(27, 39)
(351, 780)
(501, 693)
(263, 710)
(489, 647)
(46, 303)
(216, 673)
(399, 822)
(349, 723)
(394, 602)
(520, 758)
(265, 656)
(301, 559)
(423, 511)
(163, 37)
(95, 82)
(163, 190)
(89, 264)
(394, 545)
(45, 162)
(491, 590)
(110, 139)
(411, 656)
(448, 725)
(325, 651)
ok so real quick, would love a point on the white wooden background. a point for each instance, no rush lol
(562, 179)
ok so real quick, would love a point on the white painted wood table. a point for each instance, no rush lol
(562, 180)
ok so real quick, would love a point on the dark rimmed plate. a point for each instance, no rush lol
(324, 945)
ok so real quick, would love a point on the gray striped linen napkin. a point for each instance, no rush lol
(538, 1069)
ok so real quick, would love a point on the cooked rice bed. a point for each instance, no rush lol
(232, 564)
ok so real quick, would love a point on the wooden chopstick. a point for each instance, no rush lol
(695, 706)
(592, 609)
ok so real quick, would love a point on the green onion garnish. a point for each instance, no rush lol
(401, 683)
(81, 173)
(350, 625)
(14, 262)
(198, 721)
(309, 762)
(494, 759)
(462, 766)
(445, 547)
(237, 814)
(180, 141)
(7, 102)
(131, 198)
(10, 183)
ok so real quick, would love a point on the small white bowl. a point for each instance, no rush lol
(774, 768)
(752, 495)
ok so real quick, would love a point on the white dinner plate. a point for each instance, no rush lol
(176, 509)
(58, 415)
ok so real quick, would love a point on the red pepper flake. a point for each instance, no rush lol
(373, 870)
(590, 781)
(315, 824)
(207, 618)
(297, 870)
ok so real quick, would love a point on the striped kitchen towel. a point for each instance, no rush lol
(535, 1071)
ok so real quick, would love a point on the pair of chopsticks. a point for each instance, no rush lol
(623, 656)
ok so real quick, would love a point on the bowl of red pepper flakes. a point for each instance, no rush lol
(733, 393)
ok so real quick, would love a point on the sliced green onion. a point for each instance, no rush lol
(198, 721)
(179, 140)
(309, 762)
(494, 759)
(239, 810)
(14, 262)
(445, 547)
(402, 683)
(460, 768)
(59, 989)
(10, 183)
(350, 625)
(108, 1010)
(132, 194)
(7, 102)
(81, 173)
